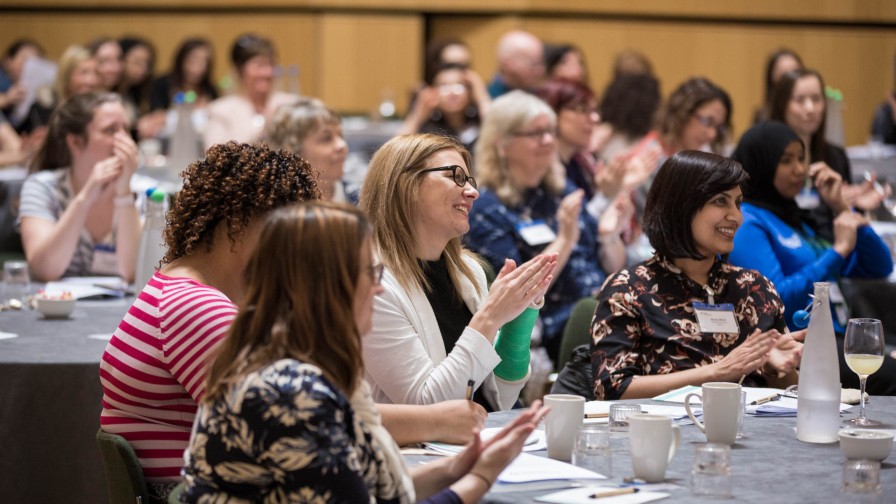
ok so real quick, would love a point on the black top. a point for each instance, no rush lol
(450, 310)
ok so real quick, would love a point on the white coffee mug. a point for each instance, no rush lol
(653, 441)
(721, 402)
(562, 423)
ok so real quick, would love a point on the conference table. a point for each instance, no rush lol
(768, 465)
(50, 402)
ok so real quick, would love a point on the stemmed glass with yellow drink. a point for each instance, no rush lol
(863, 348)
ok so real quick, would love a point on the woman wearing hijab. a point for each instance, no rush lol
(782, 242)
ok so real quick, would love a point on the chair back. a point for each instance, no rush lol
(577, 331)
(124, 476)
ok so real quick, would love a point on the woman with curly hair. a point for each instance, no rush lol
(647, 335)
(287, 416)
(153, 369)
(697, 116)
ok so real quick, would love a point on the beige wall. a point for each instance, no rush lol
(353, 52)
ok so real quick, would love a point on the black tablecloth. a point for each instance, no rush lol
(50, 395)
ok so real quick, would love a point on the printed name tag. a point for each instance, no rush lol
(716, 318)
(104, 262)
(536, 233)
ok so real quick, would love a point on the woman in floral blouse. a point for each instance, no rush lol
(647, 337)
(287, 416)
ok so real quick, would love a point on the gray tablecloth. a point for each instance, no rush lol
(768, 465)
(50, 398)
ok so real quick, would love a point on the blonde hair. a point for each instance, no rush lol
(300, 297)
(68, 62)
(507, 115)
(294, 122)
(389, 198)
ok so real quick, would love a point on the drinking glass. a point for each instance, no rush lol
(711, 473)
(592, 449)
(619, 414)
(16, 280)
(863, 348)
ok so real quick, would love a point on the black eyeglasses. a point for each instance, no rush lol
(376, 273)
(457, 173)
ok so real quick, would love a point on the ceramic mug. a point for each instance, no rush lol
(721, 402)
(562, 423)
(653, 441)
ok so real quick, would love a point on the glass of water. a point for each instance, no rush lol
(16, 281)
(711, 474)
(592, 449)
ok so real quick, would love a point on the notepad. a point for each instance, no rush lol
(583, 496)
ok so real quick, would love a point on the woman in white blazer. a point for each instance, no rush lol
(436, 323)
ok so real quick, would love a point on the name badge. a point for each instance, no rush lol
(104, 262)
(536, 233)
(716, 318)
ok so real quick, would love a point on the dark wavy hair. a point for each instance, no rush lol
(178, 77)
(300, 295)
(630, 103)
(234, 183)
(685, 182)
(248, 46)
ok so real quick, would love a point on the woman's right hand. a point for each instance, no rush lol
(514, 289)
(457, 420)
(829, 185)
(748, 356)
(102, 178)
(498, 452)
(568, 216)
(846, 227)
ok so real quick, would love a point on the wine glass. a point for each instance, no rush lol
(863, 348)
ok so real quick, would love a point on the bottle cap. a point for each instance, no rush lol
(190, 97)
(179, 98)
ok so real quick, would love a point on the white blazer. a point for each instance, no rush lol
(404, 355)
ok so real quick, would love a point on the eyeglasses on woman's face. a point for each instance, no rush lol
(710, 122)
(537, 134)
(376, 273)
(458, 174)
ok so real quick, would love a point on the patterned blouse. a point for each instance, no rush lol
(645, 322)
(285, 433)
(495, 235)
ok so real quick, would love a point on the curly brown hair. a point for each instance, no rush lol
(234, 183)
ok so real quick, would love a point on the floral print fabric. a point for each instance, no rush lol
(284, 434)
(645, 323)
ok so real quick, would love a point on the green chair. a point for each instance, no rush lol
(577, 330)
(174, 496)
(124, 476)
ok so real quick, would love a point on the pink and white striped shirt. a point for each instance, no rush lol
(153, 370)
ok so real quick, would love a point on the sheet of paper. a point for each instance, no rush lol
(7, 335)
(584, 496)
(102, 336)
(593, 407)
(528, 467)
(678, 395)
(536, 441)
(86, 287)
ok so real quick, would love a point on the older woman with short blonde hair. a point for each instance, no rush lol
(527, 208)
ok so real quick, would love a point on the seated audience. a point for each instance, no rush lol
(191, 70)
(77, 214)
(76, 74)
(452, 103)
(565, 61)
(782, 242)
(520, 63)
(697, 116)
(779, 63)
(138, 57)
(798, 101)
(287, 415)
(435, 324)
(153, 369)
(309, 129)
(107, 52)
(883, 125)
(243, 116)
(12, 92)
(527, 208)
(646, 338)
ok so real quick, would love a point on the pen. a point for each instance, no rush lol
(765, 400)
(470, 384)
(613, 493)
(597, 415)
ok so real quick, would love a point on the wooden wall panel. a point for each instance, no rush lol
(364, 58)
(857, 61)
